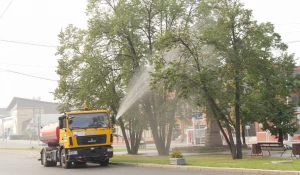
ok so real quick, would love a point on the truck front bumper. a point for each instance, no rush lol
(90, 154)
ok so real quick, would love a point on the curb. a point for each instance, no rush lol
(212, 169)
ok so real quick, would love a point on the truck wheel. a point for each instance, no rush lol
(104, 162)
(46, 163)
(42, 157)
(63, 160)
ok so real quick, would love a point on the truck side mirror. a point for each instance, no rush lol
(61, 122)
(113, 120)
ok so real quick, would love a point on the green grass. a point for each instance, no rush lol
(224, 161)
(203, 149)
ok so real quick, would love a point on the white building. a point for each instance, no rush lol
(25, 111)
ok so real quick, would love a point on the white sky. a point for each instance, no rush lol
(40, 21)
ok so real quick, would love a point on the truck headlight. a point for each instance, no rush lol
(73, 152)
(110, 149)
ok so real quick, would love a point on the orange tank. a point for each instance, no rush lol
(49, 134)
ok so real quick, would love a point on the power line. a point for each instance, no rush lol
(27, 75)
(32, 44)
(6, 9)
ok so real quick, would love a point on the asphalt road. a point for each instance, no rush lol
(21, 162)
(28, 144)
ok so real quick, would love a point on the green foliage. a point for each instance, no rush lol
(211, 52)
(278, 119)
(97, 65)
(222, 59)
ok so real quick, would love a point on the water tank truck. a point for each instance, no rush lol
(78, 137)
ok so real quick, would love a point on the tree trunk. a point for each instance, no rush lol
(237, 116)
(161, 139)
(122, 126)
(280, 136)
(135, 136)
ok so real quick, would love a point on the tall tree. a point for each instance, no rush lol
(146, 20)
(275, 86)
(91, 60)
(217, 54)
(118, 43)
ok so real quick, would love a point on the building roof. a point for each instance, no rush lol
(3, 113)
(297, 70)
(24, 102)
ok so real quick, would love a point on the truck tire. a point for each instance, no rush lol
(63, 160)
(46, 162)
(104, 162)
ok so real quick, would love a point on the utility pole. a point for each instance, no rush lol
(33, 118)
(39, 122)
(37, 117)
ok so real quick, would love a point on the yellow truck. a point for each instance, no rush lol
(77, 138)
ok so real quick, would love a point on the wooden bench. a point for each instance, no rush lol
(273, 146)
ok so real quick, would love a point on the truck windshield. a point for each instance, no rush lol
(91, 120)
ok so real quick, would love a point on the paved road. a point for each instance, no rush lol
(22, 162)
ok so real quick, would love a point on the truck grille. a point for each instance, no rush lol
(92, 139)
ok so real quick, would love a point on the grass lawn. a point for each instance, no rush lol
(225, 161)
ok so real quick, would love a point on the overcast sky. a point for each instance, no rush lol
(40, 21)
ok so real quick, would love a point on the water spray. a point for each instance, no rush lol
(138, 87)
